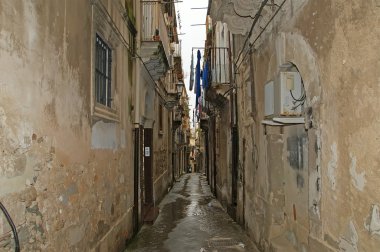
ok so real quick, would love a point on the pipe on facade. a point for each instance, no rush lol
(13, 227)
(136, 177)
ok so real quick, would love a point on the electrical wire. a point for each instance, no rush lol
(301, 98)
(14, 230)
(248, 16)
(258, 36)
(253, 26)
(295, 107)
(301, 102)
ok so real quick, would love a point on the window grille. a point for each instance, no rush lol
(103, 69)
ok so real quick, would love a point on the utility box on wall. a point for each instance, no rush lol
(285, 96)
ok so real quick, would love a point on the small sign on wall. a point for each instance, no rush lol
(147, 151)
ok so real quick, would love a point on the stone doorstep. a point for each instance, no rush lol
(150, 214)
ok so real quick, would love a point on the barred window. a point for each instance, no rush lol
(103, 69)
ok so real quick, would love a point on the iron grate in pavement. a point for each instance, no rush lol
(222, 242)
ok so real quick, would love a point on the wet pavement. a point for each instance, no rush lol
(191, 219)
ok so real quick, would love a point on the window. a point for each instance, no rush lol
(103, 70)
(131, 22)
(105, 58)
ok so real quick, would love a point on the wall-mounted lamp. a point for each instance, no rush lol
(180, 86)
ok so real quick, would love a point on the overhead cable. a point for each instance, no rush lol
(258, 36)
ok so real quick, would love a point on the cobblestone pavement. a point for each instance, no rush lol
(190, 220)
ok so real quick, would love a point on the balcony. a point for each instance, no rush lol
(220, 65)
(155, 46)
(177, 69)
(176, 49)
(177, 117)
(219, 59)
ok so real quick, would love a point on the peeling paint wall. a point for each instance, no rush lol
(332, 203)
(66, 176)
(223, 160)
(162, 176)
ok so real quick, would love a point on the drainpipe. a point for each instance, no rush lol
(234, 133)
(136, 151)
(136, 177)
(137, 130)
(173, 153)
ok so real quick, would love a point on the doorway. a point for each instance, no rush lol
(148, 167)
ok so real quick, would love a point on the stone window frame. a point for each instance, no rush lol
(102, 27)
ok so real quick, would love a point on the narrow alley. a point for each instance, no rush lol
(191, 219)
(179, 125)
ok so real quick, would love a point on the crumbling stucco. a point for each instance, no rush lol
(358, 179)
(322, 39)
(332, 166)
(349, 241)
(373, 222)
(60, 177)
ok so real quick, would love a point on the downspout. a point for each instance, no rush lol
(207, 156)
(173, 151)
(235, 138)
(137, 131)
(136, 177)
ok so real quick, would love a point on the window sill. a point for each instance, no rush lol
(106, 113)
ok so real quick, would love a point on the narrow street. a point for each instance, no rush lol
(191, 219)
(106, 105)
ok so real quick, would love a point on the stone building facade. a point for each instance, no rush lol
(77, 96)
(305, 182)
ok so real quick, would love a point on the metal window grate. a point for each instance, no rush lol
(103, 64)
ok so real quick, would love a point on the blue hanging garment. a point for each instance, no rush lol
(205, 75)
(198, 78)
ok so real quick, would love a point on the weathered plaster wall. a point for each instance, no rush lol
(161, 175)
(334, 45)
(66, 178)
(223, 158)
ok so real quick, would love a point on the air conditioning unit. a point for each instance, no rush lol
(285, 96)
